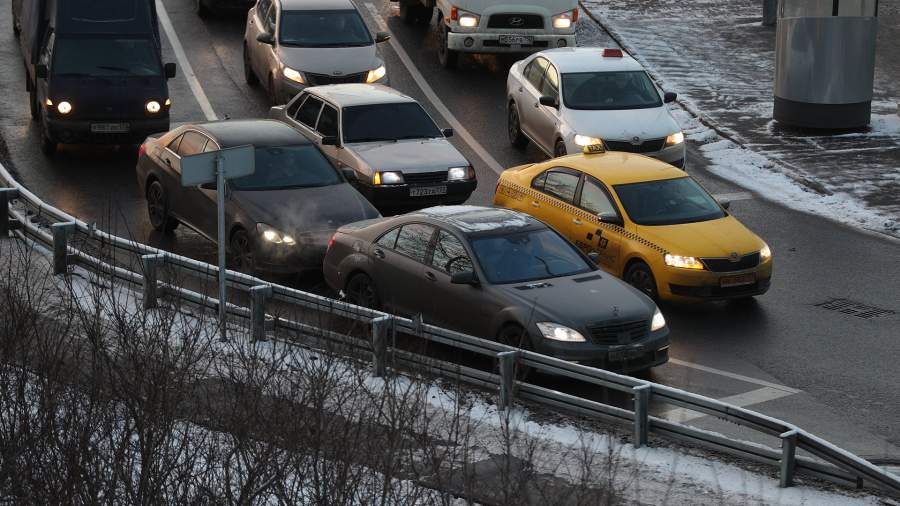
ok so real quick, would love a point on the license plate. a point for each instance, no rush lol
(626, 354)
(426, 191)
(109, 128)
(518, 40)
(733, 281)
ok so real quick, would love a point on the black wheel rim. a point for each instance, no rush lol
(513, 128)
(156, 205)
(361, 291)
(642, 280)
(243, 255)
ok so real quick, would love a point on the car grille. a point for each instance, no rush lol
(726, 265)
(648, 146)
(425, 177)
(516, 21)
(324, 79)
(619, 333)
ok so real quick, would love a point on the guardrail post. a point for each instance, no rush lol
(150, 265)
(61, 233)
(259, 296)
(770, 12)
(788, 457)
(6, 225)
(380, 328)
(641, 414)
(508, 360)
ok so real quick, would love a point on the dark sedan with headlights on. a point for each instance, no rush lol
(278, 220)
(498, 274)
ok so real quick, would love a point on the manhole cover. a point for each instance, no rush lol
(856, 309)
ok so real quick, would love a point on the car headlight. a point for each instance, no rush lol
(585, 140)
(153, 107)
(565, 20)
(64, 107)
(460, 173)
(675, 139)
(274, 236)
(376, 74)
(382, 178)
(560, 333)
(684, 262)
(765, 254)
(294, 75)
(658, 322)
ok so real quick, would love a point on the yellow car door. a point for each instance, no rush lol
(596, 225)
(554, 206)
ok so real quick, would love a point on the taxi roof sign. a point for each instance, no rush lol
(594, 149)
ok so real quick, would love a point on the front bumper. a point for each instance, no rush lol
(396, 197)
(490, 42)
(685, 285)
(78, 131)
(307, 255)
(640, 356)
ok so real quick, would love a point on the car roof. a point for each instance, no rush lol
(615, 167)
(475, 219)
(259, 132)
(316, 5)
(345, 95)
(589, 59)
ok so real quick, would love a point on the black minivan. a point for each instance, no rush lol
(95, 71)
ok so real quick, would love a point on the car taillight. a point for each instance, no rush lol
(330, 242)
(575, 15)
(497, 188)
(141, 150)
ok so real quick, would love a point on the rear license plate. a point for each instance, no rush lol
(109, 128)
(733, 281)
(427, 191)
(518, 40)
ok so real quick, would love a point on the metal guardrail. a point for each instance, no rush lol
(28, 216)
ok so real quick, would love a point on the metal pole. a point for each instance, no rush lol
(508, 361)
(641, 415)
(220, 200)
(61, 233)
(258, 297)
(6, 194)
(150, 264)
(788, 457)
(380, 327)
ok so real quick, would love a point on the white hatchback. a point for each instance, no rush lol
(565, 99)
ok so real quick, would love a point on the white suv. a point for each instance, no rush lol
(563, 100)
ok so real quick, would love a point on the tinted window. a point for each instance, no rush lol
(550, 84)
(387, 122)
(309, 112)
(294, 106)
(527, 256)
(270, 19)
(413, 241)
(534, 72)
(262, 8)
(389, 239)
(328, 122)
(561, 185)
(595, 200)
(280, 168)
(450, 255)
(191, 144)
(668, 202)
(538, 182)
(210, 146)
(175, 142)
(105, 57)
(343, 28)
(610, 90)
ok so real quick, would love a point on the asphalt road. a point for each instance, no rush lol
(785, 355)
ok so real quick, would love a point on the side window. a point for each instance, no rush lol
(538, 182)
(595, 200)
(309, 112)
(175, 142)
(328, 122)
(262, 8)
(450, 255)
(389, 240)
(191, 144)
(270, 19)
(294, 106)
(211, 146)
(550, 84)
(413, 241)
(561, 185)
(535, 71)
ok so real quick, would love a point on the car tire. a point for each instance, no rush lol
(516, 336)
(640, 276)
(241, 250)
(48, 144)
(360, 289)
(202, 9)
(34, 106)
(559, 149)
(249, 75)
(446, 56)
(514, 128)
(158, 209)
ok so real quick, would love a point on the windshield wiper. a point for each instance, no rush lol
(371, 139)
(546, 265)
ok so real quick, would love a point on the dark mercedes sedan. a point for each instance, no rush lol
(499, 274)
(278, 219)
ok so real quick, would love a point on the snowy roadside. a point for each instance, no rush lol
(559, 455)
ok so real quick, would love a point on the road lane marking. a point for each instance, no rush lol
(432, 96)
(745, 399)
(734, 197)
(741, 377)
(186, 68)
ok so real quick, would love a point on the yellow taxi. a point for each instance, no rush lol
(644, 221)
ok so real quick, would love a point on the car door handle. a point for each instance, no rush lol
(430, 276)
(168, 162)
(537, 105)
(379, 254)
(535, 203)
(576, 221)
(521, 89)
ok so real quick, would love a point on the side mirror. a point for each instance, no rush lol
(448, 132)
(612, 219)
(669, 97)
(549, 101)
(725, 203)
(382, 37)
(464, 278)
(330, 140)
(208, 186)
(266, 38)
(40, 70)
(170, 70)
(595, 257)
(350, 175)
(276, 112)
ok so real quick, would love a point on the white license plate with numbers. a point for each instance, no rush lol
(427, 191)
(517, 40)
(109, 128)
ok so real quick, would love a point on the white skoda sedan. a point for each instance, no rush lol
(565, 99)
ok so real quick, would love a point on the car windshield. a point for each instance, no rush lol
(281, 168)
(106, 57)
(668, 202)
(344, 28)
(527, 256)
(387, 122)
(609, 90)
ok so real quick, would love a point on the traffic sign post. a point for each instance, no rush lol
(218, 166)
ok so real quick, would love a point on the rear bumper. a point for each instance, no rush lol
(79, 131)
(490, 42)
(396, 197)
